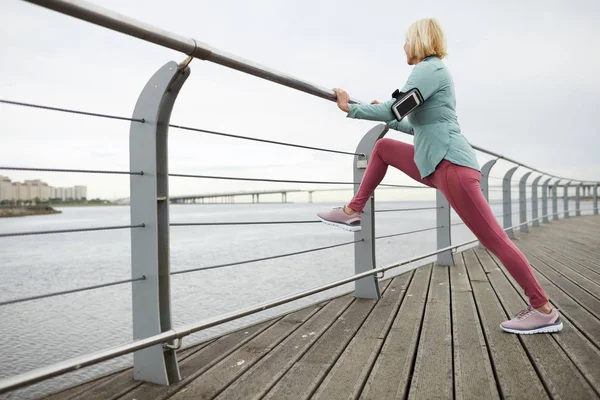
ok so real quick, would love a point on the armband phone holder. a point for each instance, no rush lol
(406, 102)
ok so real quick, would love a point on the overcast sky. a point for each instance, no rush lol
(526, 77)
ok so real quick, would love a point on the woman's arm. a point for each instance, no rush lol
(402, 126)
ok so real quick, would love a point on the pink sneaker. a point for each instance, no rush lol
(338, 217)
(531, 321)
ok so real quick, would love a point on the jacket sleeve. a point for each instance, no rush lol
(424, 78)
(373, 112)
(402, 126)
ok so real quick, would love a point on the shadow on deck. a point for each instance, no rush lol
(434, 334)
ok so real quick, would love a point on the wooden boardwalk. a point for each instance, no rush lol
(434, 334)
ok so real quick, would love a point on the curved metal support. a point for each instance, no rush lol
(150, 206)
(555, 200)
(485, 173)
(364, 250)
(545, 218)
(566, 199)
(596, 199)
(578, 199)
(507, 202)
(523, 202)
(534, 201)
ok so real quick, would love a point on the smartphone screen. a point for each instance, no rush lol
(407, 105)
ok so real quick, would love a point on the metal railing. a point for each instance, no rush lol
(154, 350)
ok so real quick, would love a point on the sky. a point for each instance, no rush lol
(525, 74)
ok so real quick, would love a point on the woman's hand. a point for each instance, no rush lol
(375, 102)
(342, 99)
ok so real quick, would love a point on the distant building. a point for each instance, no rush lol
(80, 192)
(6, 188)
(30, 190)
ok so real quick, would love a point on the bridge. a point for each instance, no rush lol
(229, 197)
(422, 327)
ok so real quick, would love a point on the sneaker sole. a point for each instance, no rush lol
(351, 228)
(544, 329)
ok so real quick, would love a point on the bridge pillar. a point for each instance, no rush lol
(523, 203)
(566, 199)
(534, 201)
(151, 297)
(555, 200)
(364, 248)
(578, 200)
(507, 202)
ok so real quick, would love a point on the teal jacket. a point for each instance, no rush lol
(434, 123)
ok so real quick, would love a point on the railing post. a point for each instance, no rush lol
(507, 202)
(364, 250)
(485, 182)
(578, 199)
(444, 238)
(545, 218)
(151, 300)
(555, 200)
(485, 174)
(566, 199)
(523, 202)
(596, 199)
(534, 201)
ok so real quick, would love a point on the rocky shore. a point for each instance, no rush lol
(6, 212)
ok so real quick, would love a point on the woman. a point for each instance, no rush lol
(441, 158)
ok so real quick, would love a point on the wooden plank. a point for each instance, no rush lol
(212, 381)
(560, 375)
(577, 263)
(391, 374)
(199, 362)
(347, 378)
(304, 377)
(123, 377)
(586, 300)
(257, 381)
(515, 374)
(575, 277)
(477, 274)
(581, 345)
(473, 373)
(77, 390)
(433, 374)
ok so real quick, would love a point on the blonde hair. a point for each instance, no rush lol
(426, 38)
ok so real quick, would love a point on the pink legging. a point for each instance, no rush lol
(460, 185)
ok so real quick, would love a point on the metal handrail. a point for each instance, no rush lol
(76, 363)
(117, 22)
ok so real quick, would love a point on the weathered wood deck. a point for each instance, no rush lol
(433, 335)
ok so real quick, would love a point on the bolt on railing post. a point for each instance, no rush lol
(566, 199)
(507, 202)
(578, 200)
(444, 237)
(485, 181)
(364, 249)
(523, 203)
(555, 200)
(545, 218)
(534, 201)
(596, 199)
(151, 297)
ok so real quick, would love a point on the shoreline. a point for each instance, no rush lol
(14, 212)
